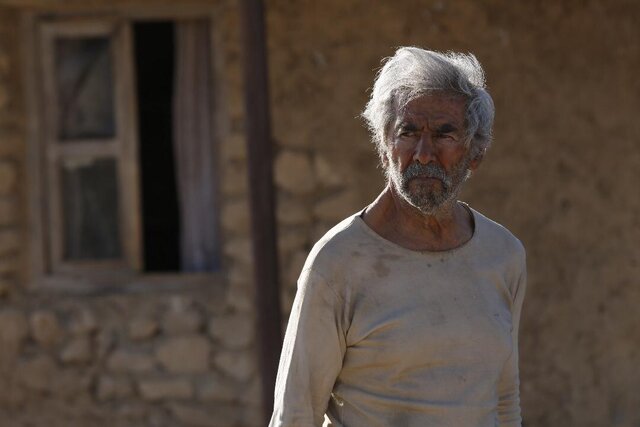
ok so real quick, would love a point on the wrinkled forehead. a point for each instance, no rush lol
(436, 107)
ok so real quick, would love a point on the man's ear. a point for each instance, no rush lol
(384, 160)
(477, 159)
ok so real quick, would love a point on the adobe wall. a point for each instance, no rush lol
(562, 174)
(171, 357)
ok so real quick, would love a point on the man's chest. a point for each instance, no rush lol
(428, 322)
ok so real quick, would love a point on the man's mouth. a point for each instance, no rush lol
(425, 178)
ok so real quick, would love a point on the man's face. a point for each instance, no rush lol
(426, 160)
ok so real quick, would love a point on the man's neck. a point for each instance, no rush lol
(397, 221)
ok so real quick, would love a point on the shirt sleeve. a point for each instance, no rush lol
(509, 384)
(312, 354)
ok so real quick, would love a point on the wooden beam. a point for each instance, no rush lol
(263, 222)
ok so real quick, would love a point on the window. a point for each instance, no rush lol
(127, 153)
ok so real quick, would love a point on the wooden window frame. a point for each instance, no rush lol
(122, 147)
(47, 271)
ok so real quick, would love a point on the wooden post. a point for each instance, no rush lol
(269, 336)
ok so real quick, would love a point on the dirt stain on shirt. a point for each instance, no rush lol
(380, 268)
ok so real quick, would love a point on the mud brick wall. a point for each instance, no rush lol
(562, 175)
(172, 357)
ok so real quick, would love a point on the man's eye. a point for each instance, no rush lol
(408, 134)
(445, 136)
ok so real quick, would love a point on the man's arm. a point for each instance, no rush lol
(312, 354)
(509, 384)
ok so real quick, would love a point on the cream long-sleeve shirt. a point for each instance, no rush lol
(380, 335)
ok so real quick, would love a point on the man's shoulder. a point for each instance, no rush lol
(336, 245)
(497, 237)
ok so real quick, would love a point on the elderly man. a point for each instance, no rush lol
(407, 312)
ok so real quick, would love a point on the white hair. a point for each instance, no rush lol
(412, 72)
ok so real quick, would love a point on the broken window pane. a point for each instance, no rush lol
(90, 210)
(84, 84)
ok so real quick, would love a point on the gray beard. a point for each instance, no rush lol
(427, 199)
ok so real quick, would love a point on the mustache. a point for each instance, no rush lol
(430, 170)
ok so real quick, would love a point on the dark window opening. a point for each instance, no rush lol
(154, 70)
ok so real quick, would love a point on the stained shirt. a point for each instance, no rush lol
(380, 335)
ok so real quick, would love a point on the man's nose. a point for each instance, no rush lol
(425, 150)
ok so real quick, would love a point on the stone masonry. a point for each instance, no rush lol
(166, 358)
(562, 175)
